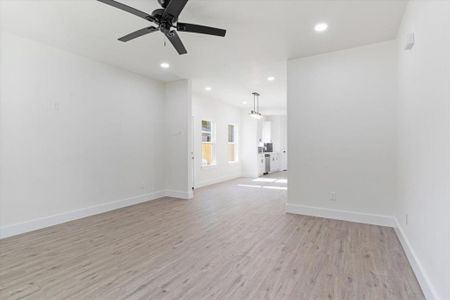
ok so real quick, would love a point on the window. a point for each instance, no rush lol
(208, 143)
(232, 143)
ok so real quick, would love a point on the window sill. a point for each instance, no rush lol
(209, 166)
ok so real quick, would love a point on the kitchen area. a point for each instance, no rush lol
(272, 145)
(263, 145)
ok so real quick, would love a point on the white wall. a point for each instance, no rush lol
(251, 133)
(75, 133)
(221, 114)
(341, 129)
(424, 143)
(178, 139)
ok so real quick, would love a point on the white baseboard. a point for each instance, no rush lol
(179, 194)
(216, 180)
(422, 277)
(344, 215)
(39, 223)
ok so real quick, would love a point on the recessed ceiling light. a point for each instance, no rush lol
(271, 78)
(208, 88)
(164, 65)
(244, 102)
(320, 27)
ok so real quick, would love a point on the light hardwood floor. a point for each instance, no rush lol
(233, 241)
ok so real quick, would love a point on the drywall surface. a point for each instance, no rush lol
(178, 138)
(423, 205)
(341, 129)
(75, 133)
(221, 114)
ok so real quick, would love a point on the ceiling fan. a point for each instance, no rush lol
(166, 18)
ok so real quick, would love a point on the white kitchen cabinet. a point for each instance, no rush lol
(275, 162)
(261, 164)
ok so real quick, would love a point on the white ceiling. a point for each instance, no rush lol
(261, 36)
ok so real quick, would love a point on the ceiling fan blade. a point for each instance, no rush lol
(186, 27)
(174, 8)
(176, 42)
(138, 33)
(129, 9)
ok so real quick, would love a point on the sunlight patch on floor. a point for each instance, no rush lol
(250, 185)
(264, 186)
(264, 179)
(275, 187)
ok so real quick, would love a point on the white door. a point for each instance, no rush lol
(193, 152)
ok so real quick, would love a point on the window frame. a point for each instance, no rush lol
(212, 142)
(234, 143)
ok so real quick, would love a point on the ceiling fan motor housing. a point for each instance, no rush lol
(165, 23)
(157, 13)
(163, 3)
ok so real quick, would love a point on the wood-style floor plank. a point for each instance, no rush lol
(232, 241)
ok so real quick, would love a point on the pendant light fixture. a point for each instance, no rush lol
(255, 112)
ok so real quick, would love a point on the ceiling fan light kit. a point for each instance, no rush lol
(166, 21)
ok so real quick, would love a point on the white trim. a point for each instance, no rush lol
(38, 223)
(179, 194)
(43, 222)
(345, 215)
(422, 277)
(209, 166)
(216, 180)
